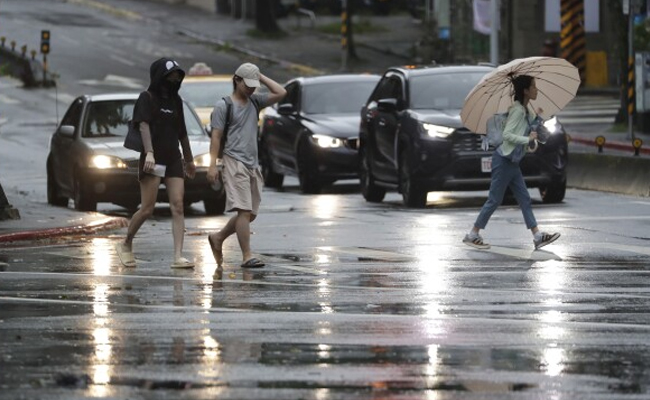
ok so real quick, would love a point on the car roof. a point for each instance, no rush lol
(207, 78)
(113, 96)
(421, 70)
(336, 78)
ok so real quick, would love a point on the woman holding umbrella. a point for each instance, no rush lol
(517, 135)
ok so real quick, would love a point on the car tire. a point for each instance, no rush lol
(413, 195)
(271, 178)
(83, 200)
(553, 192)
(308, 178)
(215, 206)
(53, 196)
(371, 192)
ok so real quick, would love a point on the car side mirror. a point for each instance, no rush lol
(387, 105)
(286, 109)
(66, 130)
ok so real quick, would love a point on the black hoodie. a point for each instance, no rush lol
(162, 108)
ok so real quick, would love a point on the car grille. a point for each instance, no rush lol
(352, 143)
(465, 141)
(133, 163)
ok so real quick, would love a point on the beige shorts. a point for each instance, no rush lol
(243, 186)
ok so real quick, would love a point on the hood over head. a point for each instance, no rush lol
(158, 73)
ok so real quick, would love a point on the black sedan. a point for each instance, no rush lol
(412, 139)
(313, 132)
(88, 163)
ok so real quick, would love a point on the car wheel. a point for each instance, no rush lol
(308, 178)
(553, 192)
(215, 206)
(413, 195)
(53, 196)
(271, 178)
(369, 190)
(83, 200)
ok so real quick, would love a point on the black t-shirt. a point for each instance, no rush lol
(166, 123)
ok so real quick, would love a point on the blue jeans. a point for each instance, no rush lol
(506, 173)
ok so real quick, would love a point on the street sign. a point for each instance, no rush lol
(45, 42)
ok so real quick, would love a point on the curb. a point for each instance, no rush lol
(611, 145)
(300, 68)
(108, 223)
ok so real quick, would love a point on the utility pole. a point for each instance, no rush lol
(344, 35)
(632, 7)
(494, 32)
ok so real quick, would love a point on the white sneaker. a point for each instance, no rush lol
(545, 238)
(476, 241)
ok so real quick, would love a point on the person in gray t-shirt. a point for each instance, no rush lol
(242, 177)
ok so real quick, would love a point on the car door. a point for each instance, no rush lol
(63, 146)
(389, 100)
(287, 127)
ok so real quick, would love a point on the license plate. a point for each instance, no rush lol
(486, 164)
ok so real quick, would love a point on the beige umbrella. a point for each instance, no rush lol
(556, 79)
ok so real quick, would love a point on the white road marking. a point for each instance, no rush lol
(380, 255)
(8, 100)
(122, 60)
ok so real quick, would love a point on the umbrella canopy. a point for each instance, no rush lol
(556, 79)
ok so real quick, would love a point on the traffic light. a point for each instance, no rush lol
(45, 42)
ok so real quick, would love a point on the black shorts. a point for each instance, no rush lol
(174, 170)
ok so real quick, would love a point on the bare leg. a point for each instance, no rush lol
(176, 192)
(217, 239)
(148, 193)
(243, 229)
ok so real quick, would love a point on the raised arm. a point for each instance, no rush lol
(277, 91)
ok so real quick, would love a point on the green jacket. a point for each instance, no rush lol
(517, 128)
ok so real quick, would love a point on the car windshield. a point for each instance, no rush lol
(205, 93)
(111, 118)
(442, 91)
(336, 97)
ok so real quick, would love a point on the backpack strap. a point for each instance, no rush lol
(226, 125)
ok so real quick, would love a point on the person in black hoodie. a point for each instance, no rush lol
(159, 115)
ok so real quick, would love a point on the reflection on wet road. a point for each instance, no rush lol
(367, 311)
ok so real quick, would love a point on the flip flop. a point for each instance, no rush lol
(126, 257)
(252, 263)
(217, 254)
(183, 263)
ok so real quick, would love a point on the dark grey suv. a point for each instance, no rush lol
(412, 139)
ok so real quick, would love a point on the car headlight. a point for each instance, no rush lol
(437, 130)
(552, 125)
(106, 162)
(203, 160)
(327, 142)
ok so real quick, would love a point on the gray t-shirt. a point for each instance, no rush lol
(241, 142)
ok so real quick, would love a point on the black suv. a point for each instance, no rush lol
(412, 139)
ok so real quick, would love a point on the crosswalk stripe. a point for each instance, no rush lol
(361, 252)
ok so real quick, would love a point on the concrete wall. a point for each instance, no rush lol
(607, 173)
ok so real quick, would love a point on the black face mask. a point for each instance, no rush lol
(170, 87)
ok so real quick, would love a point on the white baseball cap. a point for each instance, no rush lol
(250, 73)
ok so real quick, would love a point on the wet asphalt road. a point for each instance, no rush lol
(357, 301)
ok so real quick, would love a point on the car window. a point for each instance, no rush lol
(292, 95)
(108, 118)
(73, 114)
(389, 88)
(205, 93)
(336, 97)
(442, 91)
(192, 122)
